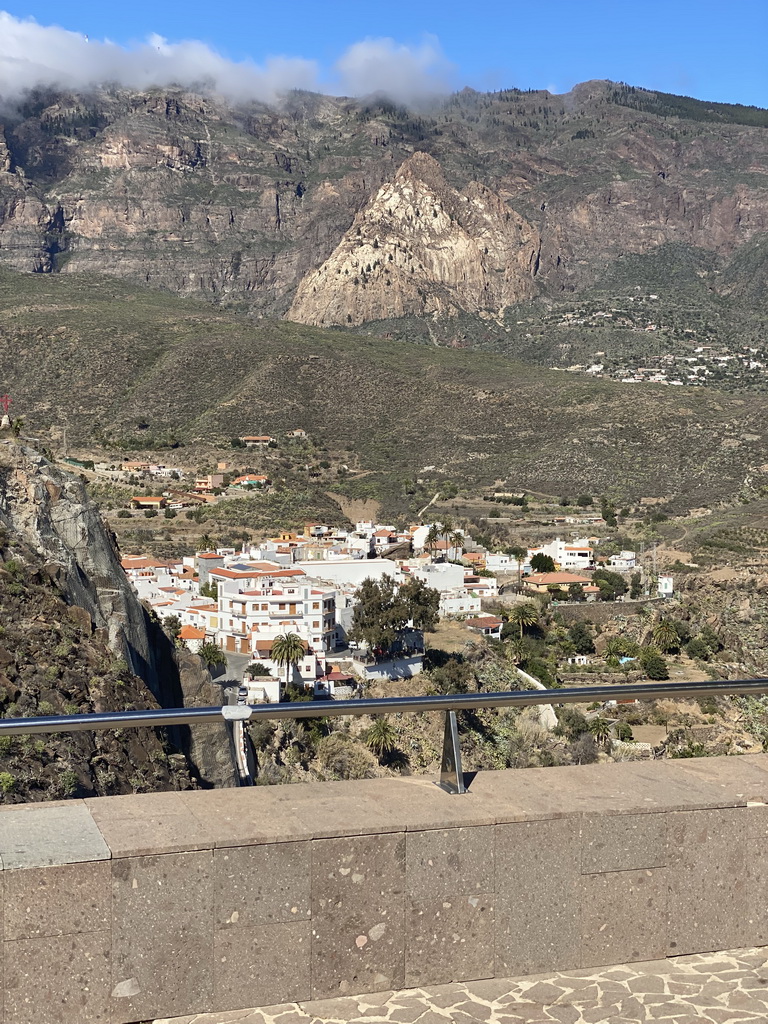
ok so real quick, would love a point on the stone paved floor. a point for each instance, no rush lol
(714, 988)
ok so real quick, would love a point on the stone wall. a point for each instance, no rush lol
(129, 908)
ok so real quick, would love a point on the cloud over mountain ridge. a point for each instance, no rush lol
(34, 55)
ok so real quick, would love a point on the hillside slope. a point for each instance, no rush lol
(136, 370)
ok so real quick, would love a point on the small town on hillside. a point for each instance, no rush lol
(307, 586)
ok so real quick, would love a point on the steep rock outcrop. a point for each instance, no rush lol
(48, 513)
(421, 246)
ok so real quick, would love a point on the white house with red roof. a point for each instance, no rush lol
(486, 625)
(192, 637)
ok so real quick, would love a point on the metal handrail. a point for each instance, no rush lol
(101, 720)
(158, 718)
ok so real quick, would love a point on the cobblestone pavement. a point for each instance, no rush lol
(714, 988)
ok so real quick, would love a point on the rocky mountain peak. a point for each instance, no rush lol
(420, 246)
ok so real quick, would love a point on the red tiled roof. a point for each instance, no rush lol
(190, 633)
(547, 579)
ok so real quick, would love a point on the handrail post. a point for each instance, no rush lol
(451, 775)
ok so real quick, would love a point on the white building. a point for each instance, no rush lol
(351, 570)
(506, 563)
(565, 555)
(459, 602)
(624, 561)
(665, 586)
(440, 575)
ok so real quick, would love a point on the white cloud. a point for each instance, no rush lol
(403, 73)
(41, 55)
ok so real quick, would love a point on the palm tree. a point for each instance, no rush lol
(381, 737)
(456, 540)
(614, 648)
(287, 651)
(666, 636)
(518, 553)
(601, 730)
(212, 655)
(430, 541)
(524, 615)
(515, 650)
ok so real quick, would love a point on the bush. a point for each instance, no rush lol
(342, 757)
(697, 650)
(453, 677)
(150, 513)
(584, 750)
(570, 722)
(123, 514)
(624, 732)
(7, 782)
(654, 665)
(581, 638)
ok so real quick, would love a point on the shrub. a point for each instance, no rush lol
(570, 722)
(696, 649)
(624, 732)
(7, 782)
(654, 665)
(584, 750)
(343, 758)
(123, 513)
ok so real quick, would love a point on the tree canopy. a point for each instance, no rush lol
(542, 563)
(384, 609)
(611, 584)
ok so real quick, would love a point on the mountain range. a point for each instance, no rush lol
(174, 269)
(334, 211)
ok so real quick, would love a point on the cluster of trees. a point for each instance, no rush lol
(384, 609)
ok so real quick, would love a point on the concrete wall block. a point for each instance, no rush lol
(450, 862)
(2, 944)
(708, 880)
(450, 938)
(358, 914)
(756, 896)
(538, 871)
(262, 966)
(148, 824)
(39, 835)
(262, 885)
(358, 944)
(368, 866)
(69, 899)
(623, 842)
(58, 979)
(162, 936)
(624, 916)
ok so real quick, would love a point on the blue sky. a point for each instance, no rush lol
(705, 49)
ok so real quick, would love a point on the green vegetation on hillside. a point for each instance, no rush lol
(666, 104)
(110, 362)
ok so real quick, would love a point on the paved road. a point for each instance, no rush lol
(715, 988)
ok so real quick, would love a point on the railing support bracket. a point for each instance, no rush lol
(451, 775)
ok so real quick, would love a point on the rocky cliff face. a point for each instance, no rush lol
(421, 246)
(280, 209)
(75, 639)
